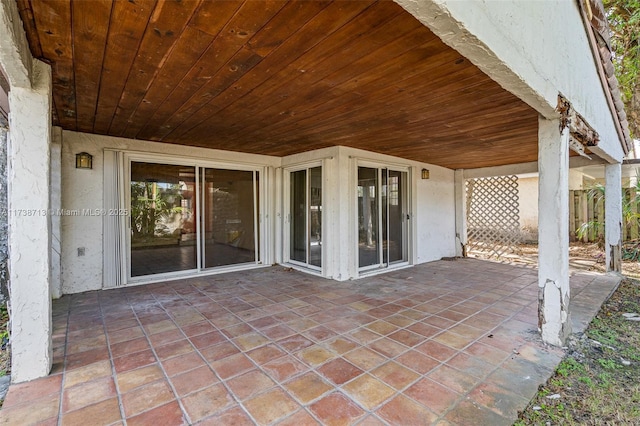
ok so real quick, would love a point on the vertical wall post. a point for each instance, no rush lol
(554, 320)
(30, 226)
(613, 216)
(461, 213)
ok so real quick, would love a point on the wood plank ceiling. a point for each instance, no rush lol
(274, 77)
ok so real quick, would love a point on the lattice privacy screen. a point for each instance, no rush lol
(493, 219)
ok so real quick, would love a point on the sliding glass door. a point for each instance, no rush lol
(163, 223)
(382, 217)
(305, 217)
(188, 218)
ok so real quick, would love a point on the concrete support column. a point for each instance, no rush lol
(461, 213)
(554, 320)
(613, 216)
(30, 226)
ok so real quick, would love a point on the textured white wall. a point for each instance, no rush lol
(433, 204)
(534, 49)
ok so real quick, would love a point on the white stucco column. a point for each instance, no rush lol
(55, 203)
(553, 232)
(461, 213)
(30, 226)
(613, 216)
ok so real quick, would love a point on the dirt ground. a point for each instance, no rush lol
(582, 257)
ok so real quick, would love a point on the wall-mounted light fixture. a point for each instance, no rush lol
(425, 174)
(84, 160)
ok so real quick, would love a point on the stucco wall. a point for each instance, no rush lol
(534, 49)
(433, 209)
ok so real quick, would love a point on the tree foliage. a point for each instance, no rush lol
(624, 20)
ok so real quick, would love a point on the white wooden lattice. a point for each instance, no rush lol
(493, 219)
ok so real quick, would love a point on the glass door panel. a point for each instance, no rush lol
(298, 230)
(368, 218)
(163, 221)
(228, 218)
(315, 216)
(395, 234)
(305, 222)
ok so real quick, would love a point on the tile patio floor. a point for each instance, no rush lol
(449, 342)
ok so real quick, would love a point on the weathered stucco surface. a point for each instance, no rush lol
(29, 226)
(15, 56)
(613, 217)
(4, 218)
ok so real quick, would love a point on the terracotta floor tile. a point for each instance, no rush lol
(165, 337)
(425, 330)
(284, 367)
(182, 363)
(179, 347)
(125, 334)
(88, 393)
(36, 410)
(236, 330)
(417, 361)
(339, 371)
(271, 406)
(436, 350)
(388, 347)
(264, 322)
(453, 340)
(103, 413)
(315, 355)
(250, 384)
(368, 391)
(233, 416)
(87, 373)
(399, 320)
(205, 340)
(197, 329)
(193, 380)
(160, 326)
(95, 342)
(438, 321)
(403, 411)
(232, 366)
(133, 361)
(265, 354)
(341, 325)
(22, 393)
(337, 410)
(406, 337)
(144, 398)
(129, 346)
(294, 343)
(432, 395)
(299, 418)
(381, 327)
(219, 351)
(302, 324)
(168, 414)
(363, 336)
(340, 345)
(364, 358)
(131, 379)
(467, 331)
(85, 358)
(308, 387)
(278, 332)
(250, 341)
(207, 402)
(453, 379)
(320, 333)
(395, 375)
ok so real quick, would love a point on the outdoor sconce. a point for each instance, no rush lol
(84, 160)
(425, 174)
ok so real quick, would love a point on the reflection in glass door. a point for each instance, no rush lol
(228, 218)
(305, 229)
(382, 217)
(187, 218)
(163, 225)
